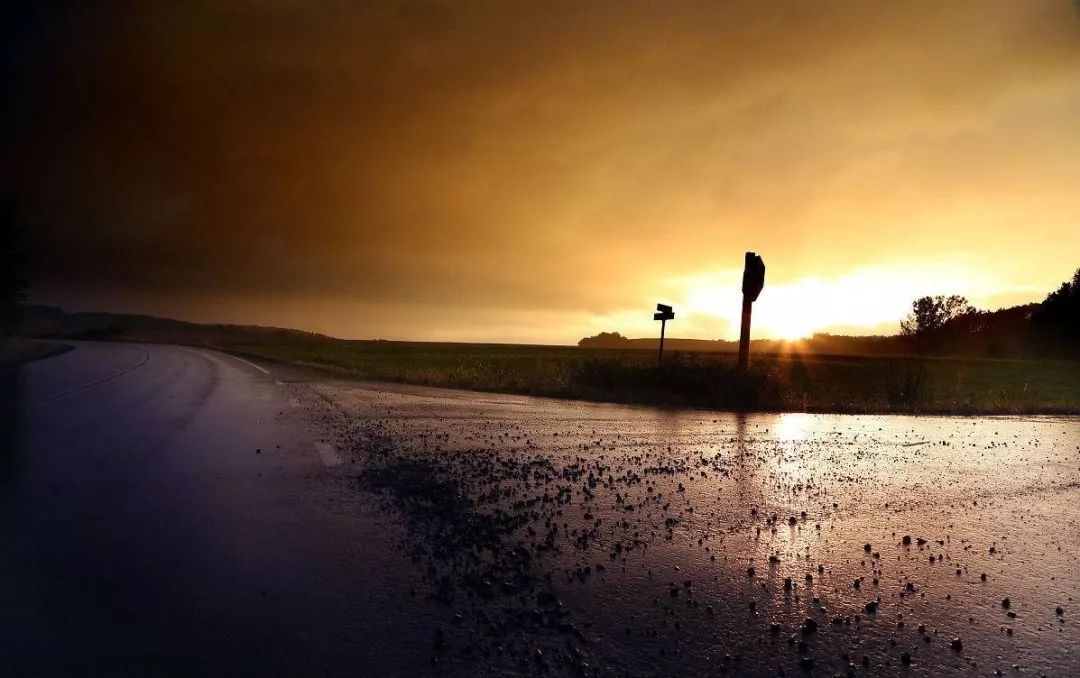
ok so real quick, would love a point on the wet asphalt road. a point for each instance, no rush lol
(394, 530)
(144, 535)
(644, 542)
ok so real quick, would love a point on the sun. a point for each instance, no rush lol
(784, 312)
(790, 329)
(865, 301)
(786, 318)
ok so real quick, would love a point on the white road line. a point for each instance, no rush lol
(248, 362)
(328, 455)
(63, 395)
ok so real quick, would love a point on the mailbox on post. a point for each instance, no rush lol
(753, 279)
(663, 313)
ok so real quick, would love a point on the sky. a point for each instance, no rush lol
(542, 171)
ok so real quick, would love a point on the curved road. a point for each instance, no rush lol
(166, 511)
(171, 511)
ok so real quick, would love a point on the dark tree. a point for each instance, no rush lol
(604, 340)
(930, 314)
(1059, 315)
(13, 281)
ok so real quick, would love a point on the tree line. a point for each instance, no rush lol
(936, 325)
(951, 325)
(13, 279)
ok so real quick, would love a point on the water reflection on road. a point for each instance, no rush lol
(697, 542)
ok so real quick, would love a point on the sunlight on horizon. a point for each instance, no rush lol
(864, 300)
(869, 300)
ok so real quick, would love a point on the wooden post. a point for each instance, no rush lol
(752, 282)
(660, 358)
(744, 333)
(663, 313)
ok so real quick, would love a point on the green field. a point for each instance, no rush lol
(902, 384)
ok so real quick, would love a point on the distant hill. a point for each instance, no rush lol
(48, 322)
(1050, 329)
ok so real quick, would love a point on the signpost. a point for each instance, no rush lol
(663, 313)
(753, 279)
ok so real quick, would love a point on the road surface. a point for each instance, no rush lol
(171, 511)
(166, 511)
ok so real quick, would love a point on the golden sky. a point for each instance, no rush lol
(540, 171)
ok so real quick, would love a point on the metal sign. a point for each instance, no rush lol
(753, 280)
(663, 313)
(753, 277)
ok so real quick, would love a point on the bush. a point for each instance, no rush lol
(682, 380)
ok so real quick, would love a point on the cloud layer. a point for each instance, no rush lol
(543, 166)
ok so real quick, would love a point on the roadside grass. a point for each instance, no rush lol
(782, 382)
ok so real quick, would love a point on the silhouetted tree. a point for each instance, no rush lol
(13, 281)
(604, 340)
(1059, 315)
(930, 314)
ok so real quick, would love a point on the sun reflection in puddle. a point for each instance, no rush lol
(793, 427)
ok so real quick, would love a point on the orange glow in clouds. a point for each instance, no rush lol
(866, 301)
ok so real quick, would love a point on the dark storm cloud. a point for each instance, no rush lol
(501, 154)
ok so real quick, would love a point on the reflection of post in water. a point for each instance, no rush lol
(740, 434)
(748, 490)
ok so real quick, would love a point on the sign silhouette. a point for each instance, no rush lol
(663, 313)
(753, 279)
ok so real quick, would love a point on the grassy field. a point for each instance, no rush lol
(775, 382)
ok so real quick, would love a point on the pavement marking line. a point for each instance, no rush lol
(248, 362)
(279, 383)
(328, 455)
(63, 395)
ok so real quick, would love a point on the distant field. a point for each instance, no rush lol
(775, 382)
